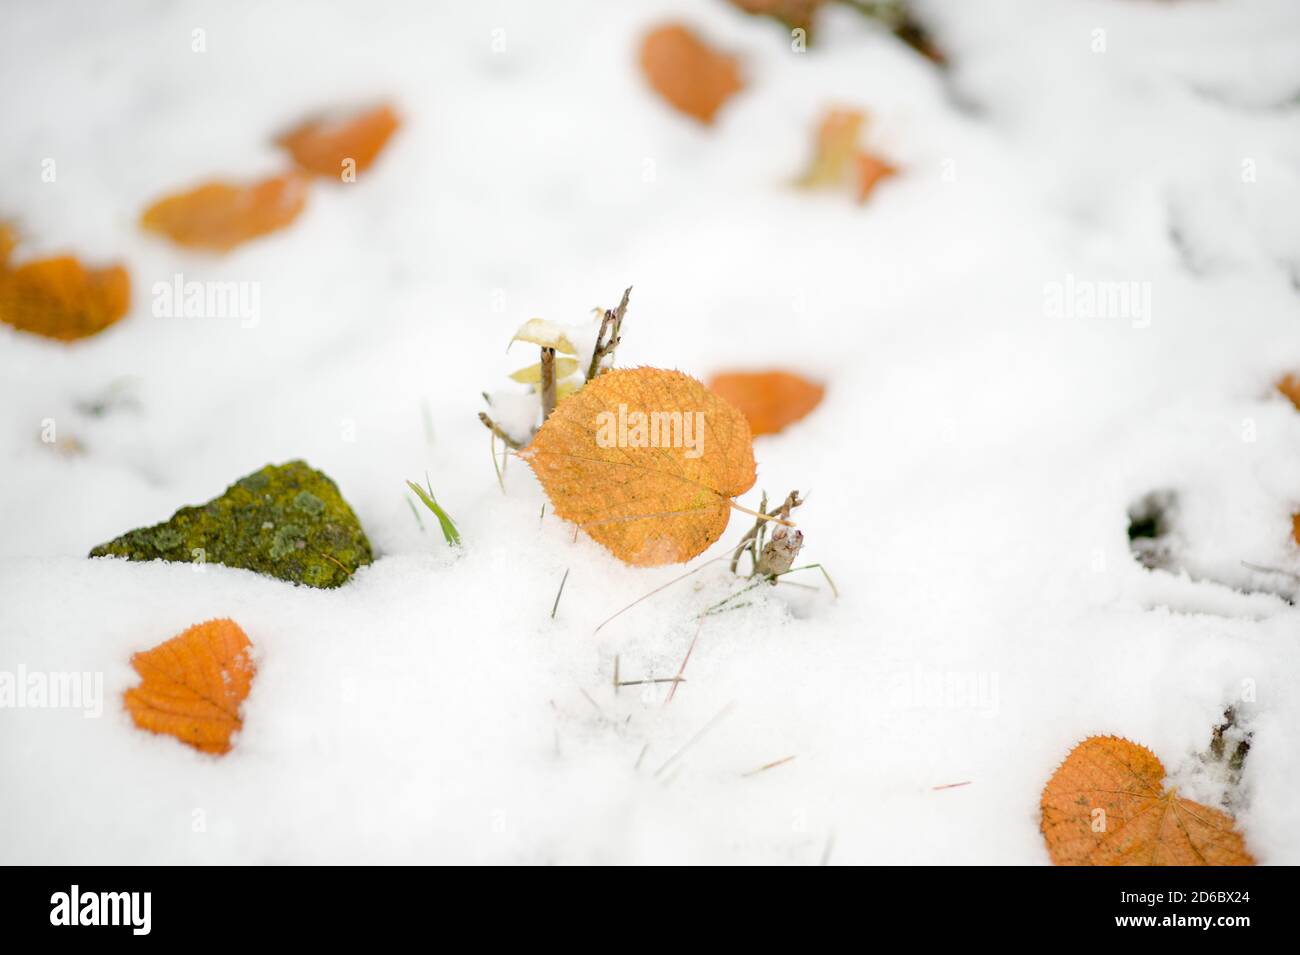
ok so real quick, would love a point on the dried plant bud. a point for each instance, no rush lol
(780, 552)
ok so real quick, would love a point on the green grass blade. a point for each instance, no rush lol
(448, 525)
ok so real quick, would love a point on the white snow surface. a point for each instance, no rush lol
(970, 469)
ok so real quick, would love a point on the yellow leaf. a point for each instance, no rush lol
(539, 331)
(837, 143)
(646, 461)
(532, 375)
(838, 157)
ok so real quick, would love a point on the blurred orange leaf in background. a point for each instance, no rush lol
(835, 145)
(194, 684)
(795, 14)
(1107, 805)
(221, 215)
(646, 461)
(59, 297)
(837, 156)
(687, 72)
(323, 145)
(1290, 386)
(869, 171)
(769, 400)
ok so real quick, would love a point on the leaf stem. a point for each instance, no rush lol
(496, 429)
(762, 517)
(548, 382)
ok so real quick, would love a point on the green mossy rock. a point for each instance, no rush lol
(288, 521)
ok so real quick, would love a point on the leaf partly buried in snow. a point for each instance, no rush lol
(194, 684)
(694, 78)
(325, 144)
(1290, 386)
(59, 297)
(869, 170)
(646, 461)
(222, 215)
(770, 400)
(1107, 805)
(795, 14)
(838, 158)
(836, 145)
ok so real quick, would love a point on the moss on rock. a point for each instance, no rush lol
(287, 521)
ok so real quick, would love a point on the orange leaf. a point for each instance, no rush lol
(687, 72)
(1290, 386)
(870, 171)
(795, 14)
(1107, 805)
(221, 215)
(323, 145)
(59, 297)
(1295, 527)
(770, 400)
(646, 461)
(194, 684)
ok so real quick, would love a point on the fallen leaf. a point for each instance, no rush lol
(323, 145)
(836, 145)
(59, 297)
(683, 69)
(1290, 386)
(222, 215)
(869, 171)
(838, 158)
(1107, 805)
(646, 461)
(770, 400)
(795, 14)
(193, 685)
(1295, 527)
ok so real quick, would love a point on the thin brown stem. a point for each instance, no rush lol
(762, 517)
(685, 660)
(695, 739)
(766, 766)
(548, 382)
(497, 430)
(748, 542)
(612, 323)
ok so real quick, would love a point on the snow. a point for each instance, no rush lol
(970, 469)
